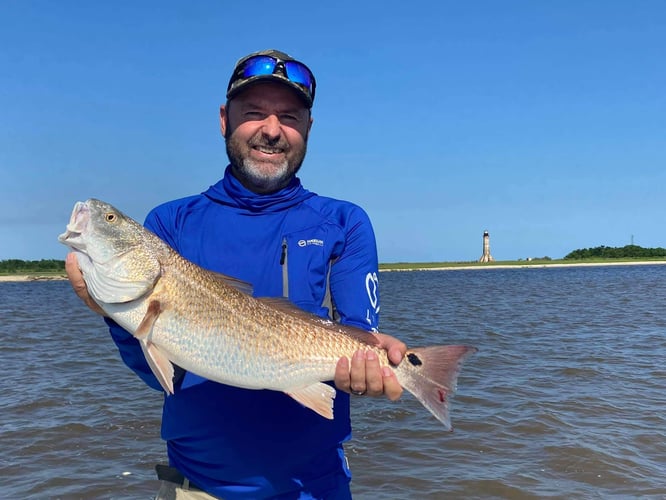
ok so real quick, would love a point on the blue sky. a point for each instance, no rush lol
(541, 122)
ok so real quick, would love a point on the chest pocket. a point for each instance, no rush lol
(306, 262)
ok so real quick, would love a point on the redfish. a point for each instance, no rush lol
(211, 325)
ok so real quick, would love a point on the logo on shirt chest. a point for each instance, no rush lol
(313, 241)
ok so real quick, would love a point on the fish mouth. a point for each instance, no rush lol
(78, 222)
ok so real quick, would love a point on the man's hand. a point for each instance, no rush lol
(79, 286)
(365, 376)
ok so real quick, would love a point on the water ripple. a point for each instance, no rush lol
(565, 398)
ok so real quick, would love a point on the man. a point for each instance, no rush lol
(258, 224)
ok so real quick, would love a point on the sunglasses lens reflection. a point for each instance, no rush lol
(298, 73)
(260, 65)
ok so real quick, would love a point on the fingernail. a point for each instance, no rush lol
(386, 372)
(370, 356)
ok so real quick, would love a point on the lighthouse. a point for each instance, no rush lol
(486, 257)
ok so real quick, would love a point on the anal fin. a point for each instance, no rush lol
(146, 326)
(318, 397)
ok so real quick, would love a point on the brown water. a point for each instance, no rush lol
(566, 398)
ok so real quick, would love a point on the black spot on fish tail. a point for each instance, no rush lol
(414, 359)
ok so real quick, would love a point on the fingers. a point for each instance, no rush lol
(365, 376)
(78, 284)
(396, 348)
(392, 387)
(351, 377)
(75, 276)
(342, 379)
(357, 382)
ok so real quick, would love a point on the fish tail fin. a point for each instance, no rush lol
(431, 374)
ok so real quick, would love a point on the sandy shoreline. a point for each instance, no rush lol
(61, 277)
(32, 277)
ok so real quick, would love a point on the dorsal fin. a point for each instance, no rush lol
(283, 305)
(241, 286)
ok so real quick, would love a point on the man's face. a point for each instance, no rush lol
(266, 129)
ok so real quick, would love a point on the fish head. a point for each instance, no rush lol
(115, 253)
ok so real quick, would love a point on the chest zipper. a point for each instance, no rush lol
(285, 270)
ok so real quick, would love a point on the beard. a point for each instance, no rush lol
(263, 176)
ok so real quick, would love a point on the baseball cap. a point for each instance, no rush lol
(273, 65)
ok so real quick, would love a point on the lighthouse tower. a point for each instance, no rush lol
(486, 257)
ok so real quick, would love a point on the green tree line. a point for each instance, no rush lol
(18, 266)
(628, 251)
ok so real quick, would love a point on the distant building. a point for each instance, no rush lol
(486, 257)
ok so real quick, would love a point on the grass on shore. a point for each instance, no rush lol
(522, 262)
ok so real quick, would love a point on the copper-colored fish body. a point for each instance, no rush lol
(210, 324)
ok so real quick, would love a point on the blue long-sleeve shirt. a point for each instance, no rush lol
(233, 441)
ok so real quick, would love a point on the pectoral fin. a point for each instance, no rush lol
(146, 325)
(160, 365)
(318, 397)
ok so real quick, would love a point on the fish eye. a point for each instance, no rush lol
(110, 217)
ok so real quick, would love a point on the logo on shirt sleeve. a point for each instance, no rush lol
(372, 287)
